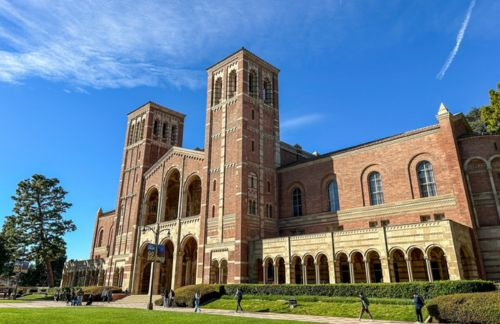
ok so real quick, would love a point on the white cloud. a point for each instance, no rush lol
(460, 36)
(109, 44)
(300, 121)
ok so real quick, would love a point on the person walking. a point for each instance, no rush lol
(164, 298)
(418, 301)
(80, 297)
(104, 295)
(110, 296)
(364, 306)
(171, 296)
(239, 296)
(197, 297)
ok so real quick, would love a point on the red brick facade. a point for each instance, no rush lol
(245, 185)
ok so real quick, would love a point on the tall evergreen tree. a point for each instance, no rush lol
(37, 227)
(490, 115)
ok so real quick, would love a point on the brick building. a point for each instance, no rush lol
(422, 205)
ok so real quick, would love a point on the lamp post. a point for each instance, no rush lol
(156, 231)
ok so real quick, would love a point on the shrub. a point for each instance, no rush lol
(380, 290)
(466, 308)
(184, 296)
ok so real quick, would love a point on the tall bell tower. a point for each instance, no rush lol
(241, 157)
(151, 131)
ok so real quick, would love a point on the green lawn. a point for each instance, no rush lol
(37, 297)
(115, 315)
(383, 309)
(10, 301)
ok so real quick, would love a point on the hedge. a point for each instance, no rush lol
(184, 296)
(427, 290)
(466, 308)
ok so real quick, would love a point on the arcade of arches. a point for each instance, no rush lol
(358, 267)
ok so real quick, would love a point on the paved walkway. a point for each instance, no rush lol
(270, 316)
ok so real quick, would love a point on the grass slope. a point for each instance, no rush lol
(115, 315)
(400, 310)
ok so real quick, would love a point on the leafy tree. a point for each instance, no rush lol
(4, 257)
(475, 122)
(490, 115)
(37, 227)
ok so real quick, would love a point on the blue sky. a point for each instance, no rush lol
(351, 72)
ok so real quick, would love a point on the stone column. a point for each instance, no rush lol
(367, 271)
(288, 273)
(410, 270)
(316, 268)
(304, 274)
(429, 270)
(276, 274)
(494, 189)
(264, 273)
(351, 272)
(333, 272)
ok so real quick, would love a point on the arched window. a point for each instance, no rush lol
(426, 179)
(99, 240)
(164, 131)
(213, 211)
(252, 83)
(173, 135)
(252, 181)
(376, 193)
(333, 196)
(297, 202)
(214, 185)
(141, 131)
(131, 134)
(231, 87)
(217, 91)
(267, 95)
(155, 128)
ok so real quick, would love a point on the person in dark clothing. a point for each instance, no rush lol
(89, 300)
(364, 306)
(418, 301)
(171, 297)
(239, 296)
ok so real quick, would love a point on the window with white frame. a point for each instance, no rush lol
(426, 180)
(375, 186)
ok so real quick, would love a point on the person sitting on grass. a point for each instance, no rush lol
(364, 306)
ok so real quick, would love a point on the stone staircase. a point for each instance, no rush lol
(136, 299)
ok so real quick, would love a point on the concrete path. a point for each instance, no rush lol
(269, 316)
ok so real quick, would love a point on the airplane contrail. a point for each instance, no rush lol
(460, 36)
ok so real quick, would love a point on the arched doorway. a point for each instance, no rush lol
(439, 266)
(223, 272)
(469, 270)
(296, 271)
(418, 266)
(193, 196)
(399, 269)
(375, 266)
(269, 268)
(167, 266)
(189, 259)
(281, 270)
(358, 267)
(343, 272)
(151, 207)
(145, 272)
(214, 272)
(324, 274)
(172, 196)
(310, 270)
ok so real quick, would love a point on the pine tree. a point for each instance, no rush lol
(37, 227)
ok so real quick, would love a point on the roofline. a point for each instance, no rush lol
(243, 49)
(170, 151)
(108, 213)
(154, 104)
(363, 145)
